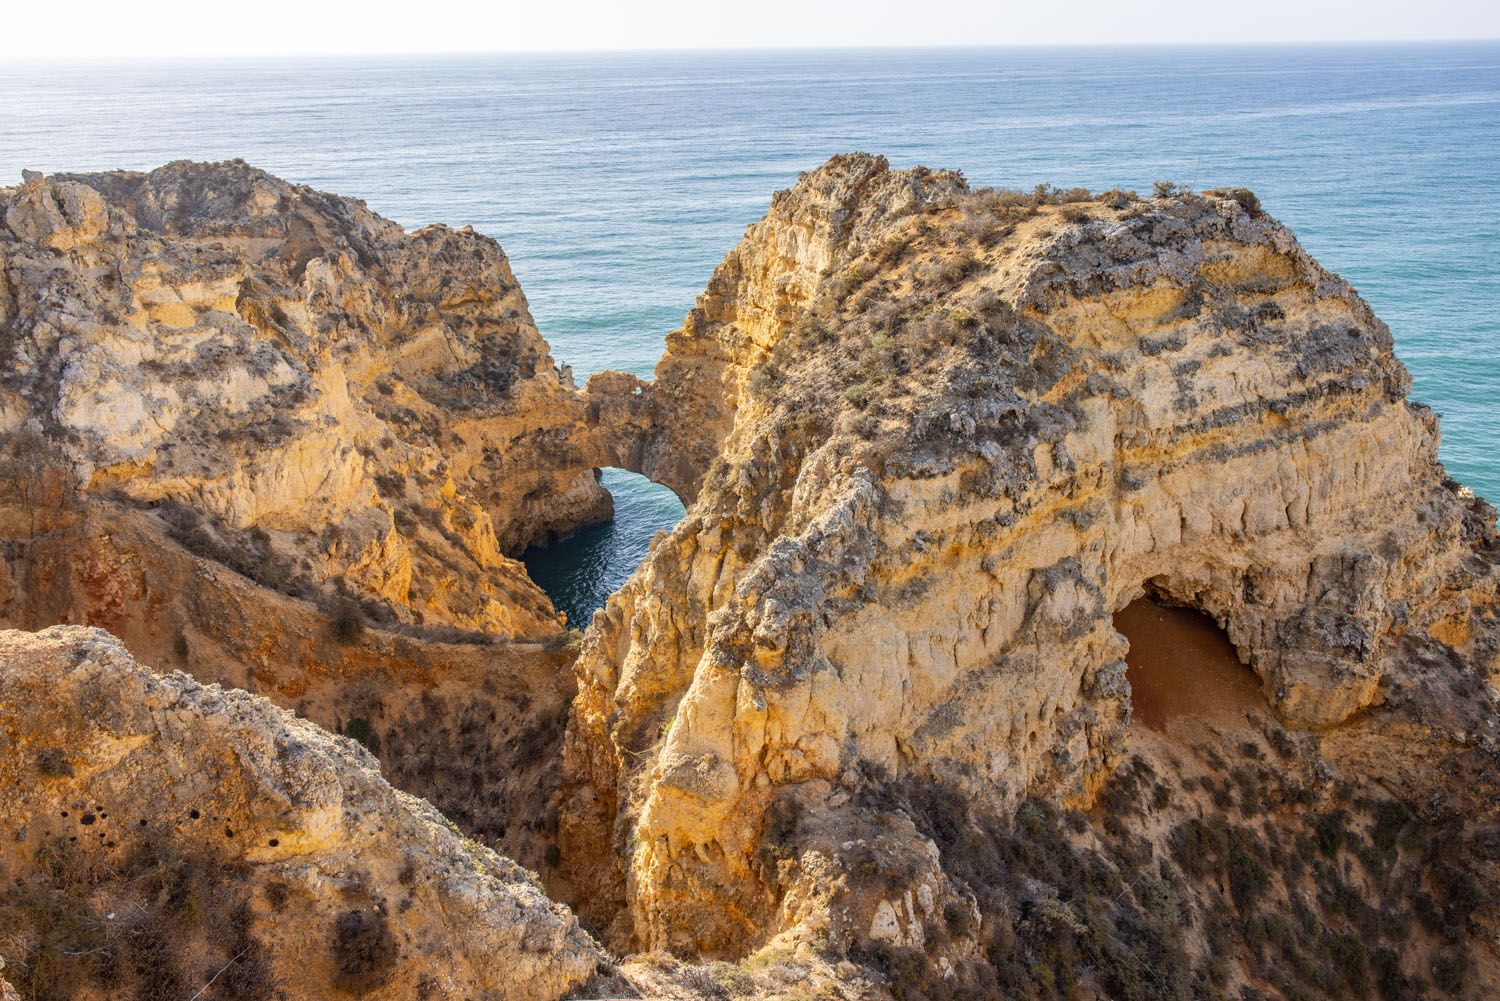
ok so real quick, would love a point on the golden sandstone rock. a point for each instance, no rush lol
(208, 837)
(862, 722)
(240, 420)
(936, 438)
(376, 404)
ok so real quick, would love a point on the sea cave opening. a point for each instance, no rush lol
(580, 571)
(1181, 665)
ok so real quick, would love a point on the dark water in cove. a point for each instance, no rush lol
(617, 182)
(581, 571)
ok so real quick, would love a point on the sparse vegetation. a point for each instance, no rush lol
(1072, 907)
(52, 762)
(346, 620)
(248, 553)
(156, 925)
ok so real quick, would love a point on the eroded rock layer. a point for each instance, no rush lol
(162, 836)
(863, 720)
(936, 438)
(266, 436)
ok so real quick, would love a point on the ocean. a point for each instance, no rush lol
(616, 182)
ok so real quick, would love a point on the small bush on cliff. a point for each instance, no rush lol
(765, 380)
(347, 620)
(364, 950)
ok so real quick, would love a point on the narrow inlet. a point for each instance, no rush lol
(581, 571)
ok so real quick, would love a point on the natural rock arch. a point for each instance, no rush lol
(903, 561)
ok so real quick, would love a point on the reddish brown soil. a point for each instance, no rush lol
(1181, 666)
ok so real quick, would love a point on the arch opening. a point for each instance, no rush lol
(581, 570)
(1182, 666)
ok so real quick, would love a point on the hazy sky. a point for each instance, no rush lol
(286, 27)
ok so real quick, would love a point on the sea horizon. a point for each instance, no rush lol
(409, 55)
(616, 181)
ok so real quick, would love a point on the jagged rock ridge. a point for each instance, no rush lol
(936, 438)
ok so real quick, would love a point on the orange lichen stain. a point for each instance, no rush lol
(1451, 629)
(119, 472)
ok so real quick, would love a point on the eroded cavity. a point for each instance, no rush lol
(1181, 665)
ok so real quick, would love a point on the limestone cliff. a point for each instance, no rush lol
(297, 384)
(163, 837)
(861, 725)
(475, 727)
(936, 439)
(266, 436)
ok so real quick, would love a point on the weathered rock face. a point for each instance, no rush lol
(846, 716)
(295, 377)
(956, 431)
(474, 727)
(168, 836)
(240, 418)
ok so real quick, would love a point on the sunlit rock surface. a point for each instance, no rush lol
(936, 438)
(861, 725)
(184, 831)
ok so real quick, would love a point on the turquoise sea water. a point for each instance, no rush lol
(617, 182)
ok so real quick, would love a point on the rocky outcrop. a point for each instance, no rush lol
(863, 717)
(169, 836)
(295, 378)
(473, 726)
(265, 436)
(936, 438)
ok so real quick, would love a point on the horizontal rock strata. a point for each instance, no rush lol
(860, 726)
(936, 438)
